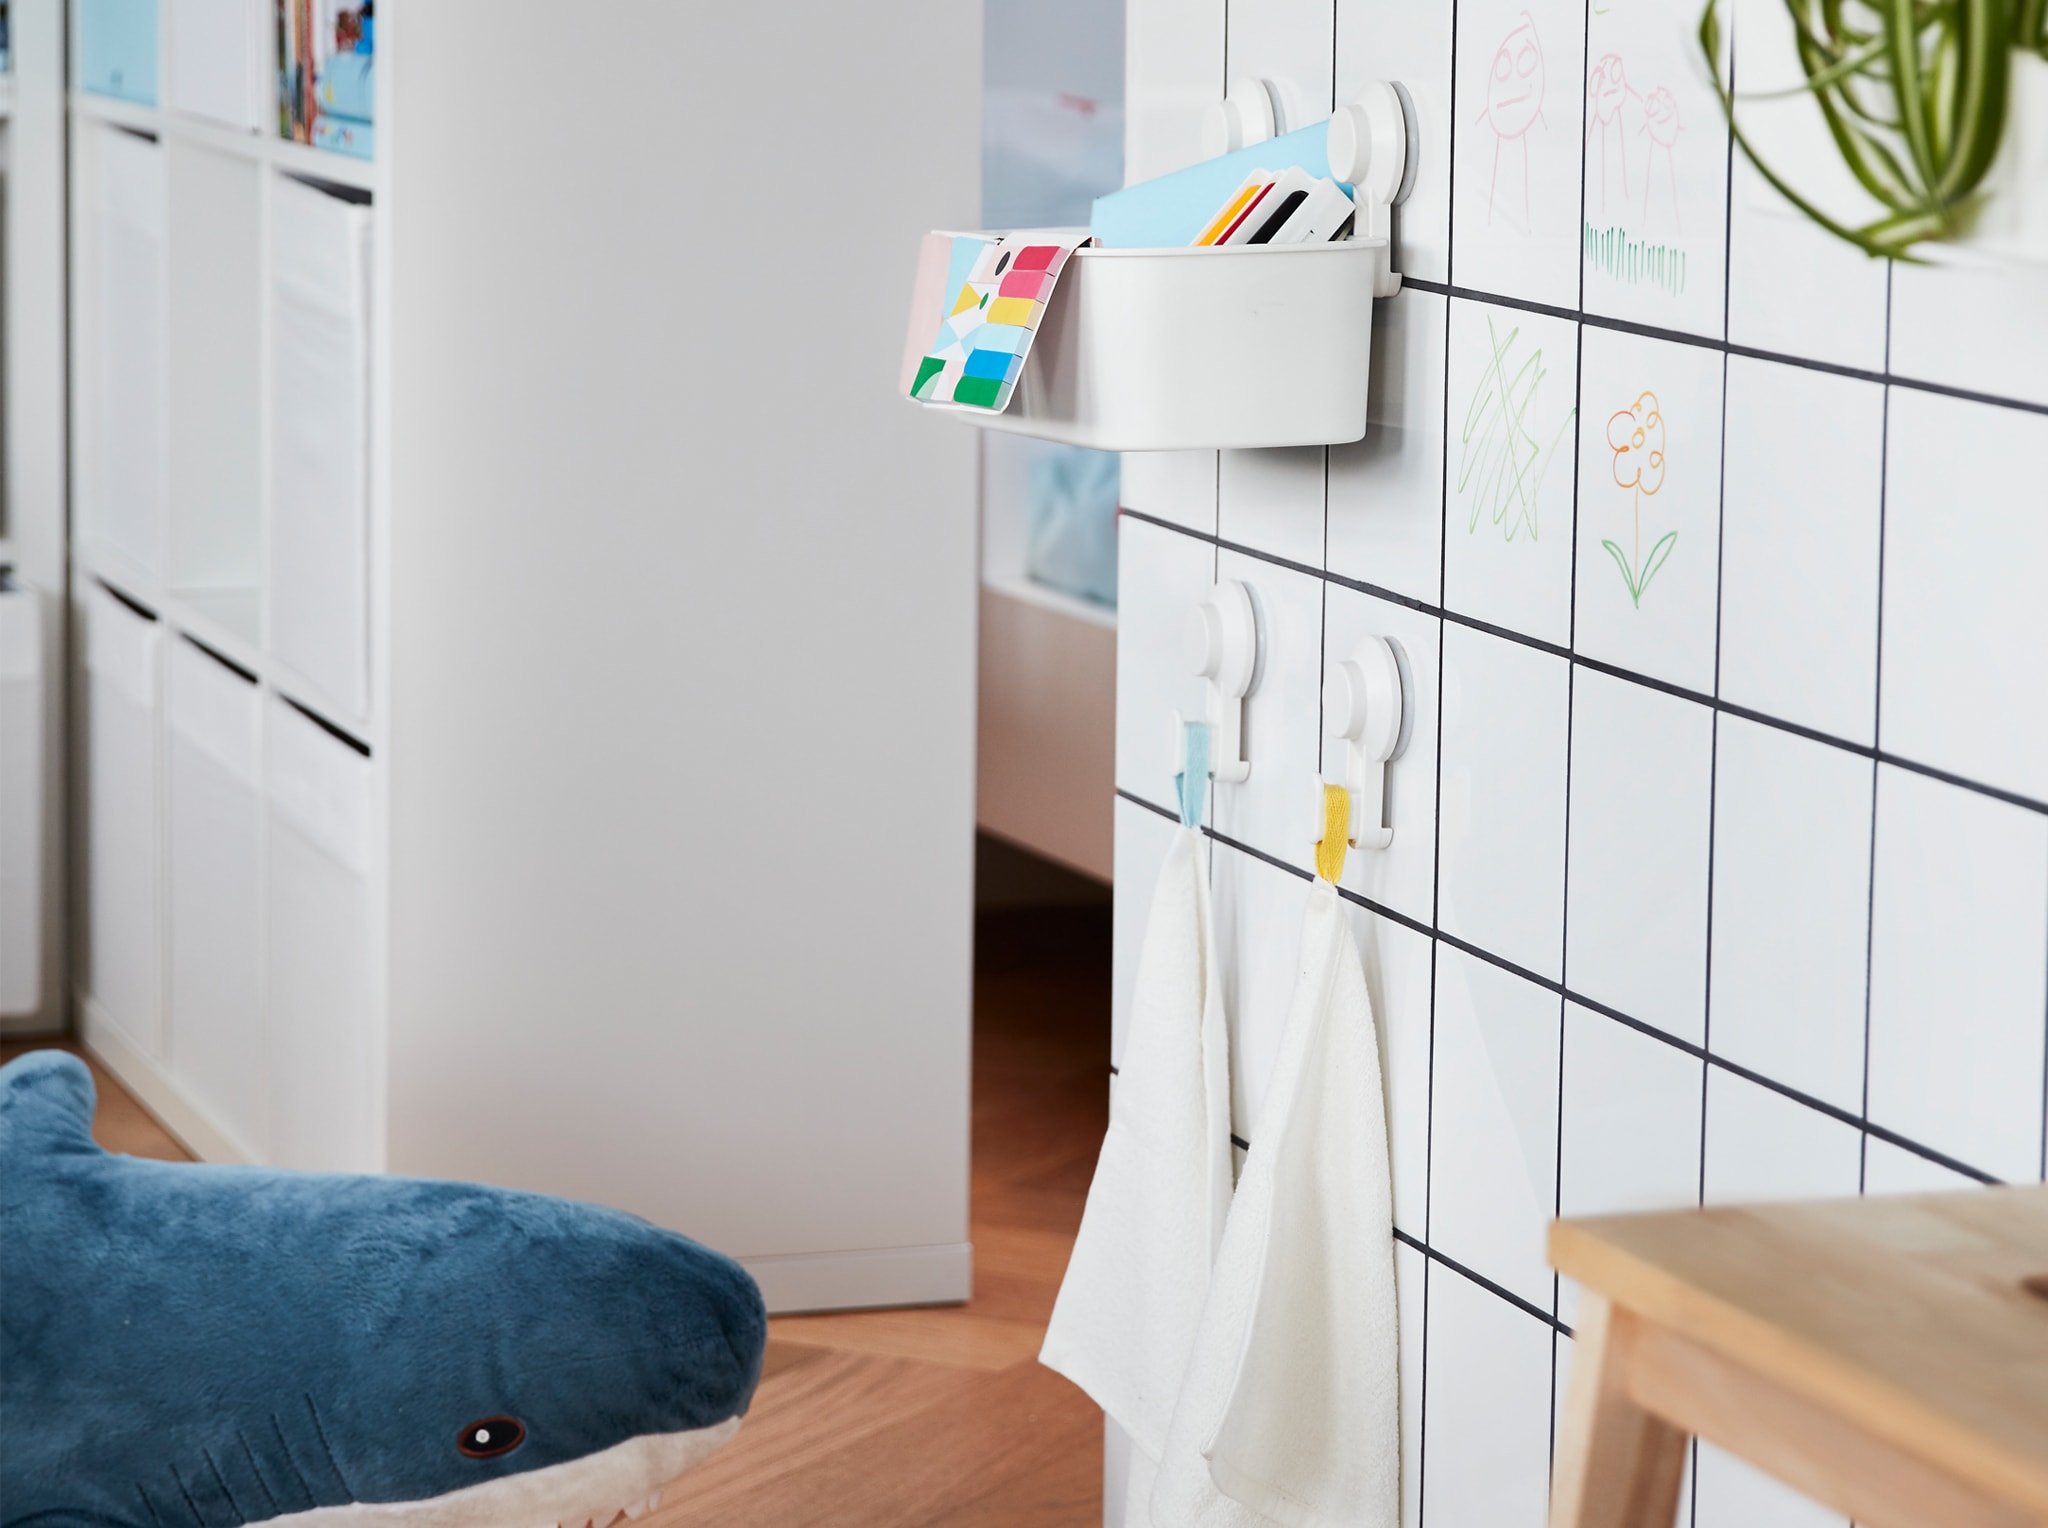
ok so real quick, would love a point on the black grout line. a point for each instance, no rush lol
(1614, 670)
(1528, 1306)
(1593, 1005)
(1728, 347)
(1884, 452)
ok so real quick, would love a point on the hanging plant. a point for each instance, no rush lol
(1914, 95)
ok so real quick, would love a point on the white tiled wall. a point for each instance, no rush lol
(1720, 868)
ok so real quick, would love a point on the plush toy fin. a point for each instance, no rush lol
(46, 1102)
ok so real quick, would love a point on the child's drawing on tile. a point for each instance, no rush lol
(1636, 437)
(1656, 172)
(1515, 84)
(1501, 461)
(1520, 72)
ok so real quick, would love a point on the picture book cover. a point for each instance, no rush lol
(326, 59)
(992, 315)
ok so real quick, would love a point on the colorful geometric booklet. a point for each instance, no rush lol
(994, 292)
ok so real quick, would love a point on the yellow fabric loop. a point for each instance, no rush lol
(1331, 847)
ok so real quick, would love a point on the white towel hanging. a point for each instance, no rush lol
(1289, 1412)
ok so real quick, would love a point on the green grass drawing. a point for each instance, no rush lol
(1635, 261)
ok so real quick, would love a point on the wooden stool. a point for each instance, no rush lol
(1888, 1357)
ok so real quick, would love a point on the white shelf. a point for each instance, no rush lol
(6, 95)
(282, 154)
(230, 621)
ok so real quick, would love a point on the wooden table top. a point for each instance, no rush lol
(1909, 1315)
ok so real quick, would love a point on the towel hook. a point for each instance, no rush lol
(1363, 705)
(1223, 649)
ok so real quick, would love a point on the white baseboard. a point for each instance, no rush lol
(814, 1281)
(153, 1087)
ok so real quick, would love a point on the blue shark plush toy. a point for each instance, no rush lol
(184, 1346)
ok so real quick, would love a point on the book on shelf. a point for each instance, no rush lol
(326, 58)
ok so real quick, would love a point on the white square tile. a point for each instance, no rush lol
(1178, 486)
(1508, 473)
(1289, 43)
(1983, 327)
(1515, 182)
(1801, 515)
(1965, 626)
(1629, 1126)
(1762, 1146)
(1398, 979)
(1273, 501)
(1958, 967)
(1258, 909)
(1399, 40)
(1501, 836)
(1410, 1272)
(1270, 808)
(1649, 505)
(1791, 909)
(1636, 874)
(1173, 71)
(1732, 1493)
(1402, 875)
(1486, 1440)
(1656, 171)
(1386, 491)
(1889, 1169)
(1793, 287)
(1493, 1124)
(1161, 574)
(1142, 839)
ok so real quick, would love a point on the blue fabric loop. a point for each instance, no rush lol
(1192, 783)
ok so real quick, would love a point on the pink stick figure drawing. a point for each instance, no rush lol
(1514, 103)
(1608, 98)
(1661, 124)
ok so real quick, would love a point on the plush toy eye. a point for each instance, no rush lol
(491, 1437)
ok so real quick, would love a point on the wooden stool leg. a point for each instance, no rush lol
(1618, 1466)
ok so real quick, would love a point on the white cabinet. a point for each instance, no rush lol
(123, 962)
(21, 799)
(218, 1044)
(323, 1106)
(122, 360)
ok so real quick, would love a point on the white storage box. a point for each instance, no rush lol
(322, 1050)
(217, 1033)
(124, 325)
(123, 966)
(1182, 349)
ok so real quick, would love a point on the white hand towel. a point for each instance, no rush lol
(1289, 1412)
(1128, 1308)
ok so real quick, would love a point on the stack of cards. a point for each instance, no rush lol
(979, 350)
(1292, 207)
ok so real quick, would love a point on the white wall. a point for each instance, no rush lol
(684, 603)
(1737, 891)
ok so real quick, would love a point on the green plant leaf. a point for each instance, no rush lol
(1635, 595)
(1659, 555)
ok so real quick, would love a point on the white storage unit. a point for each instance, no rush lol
(477, 459)
(33, 523)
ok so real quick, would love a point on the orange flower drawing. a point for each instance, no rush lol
(1636, 436)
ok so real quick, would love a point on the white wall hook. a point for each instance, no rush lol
(1249, 114)
(1223, 648)
(1372, 149)
(1363, 705)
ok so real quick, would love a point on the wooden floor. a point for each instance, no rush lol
(915, 1417)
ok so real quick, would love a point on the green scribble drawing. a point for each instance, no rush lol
(1636, 437)
(1499, 461)
(1635, 261)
